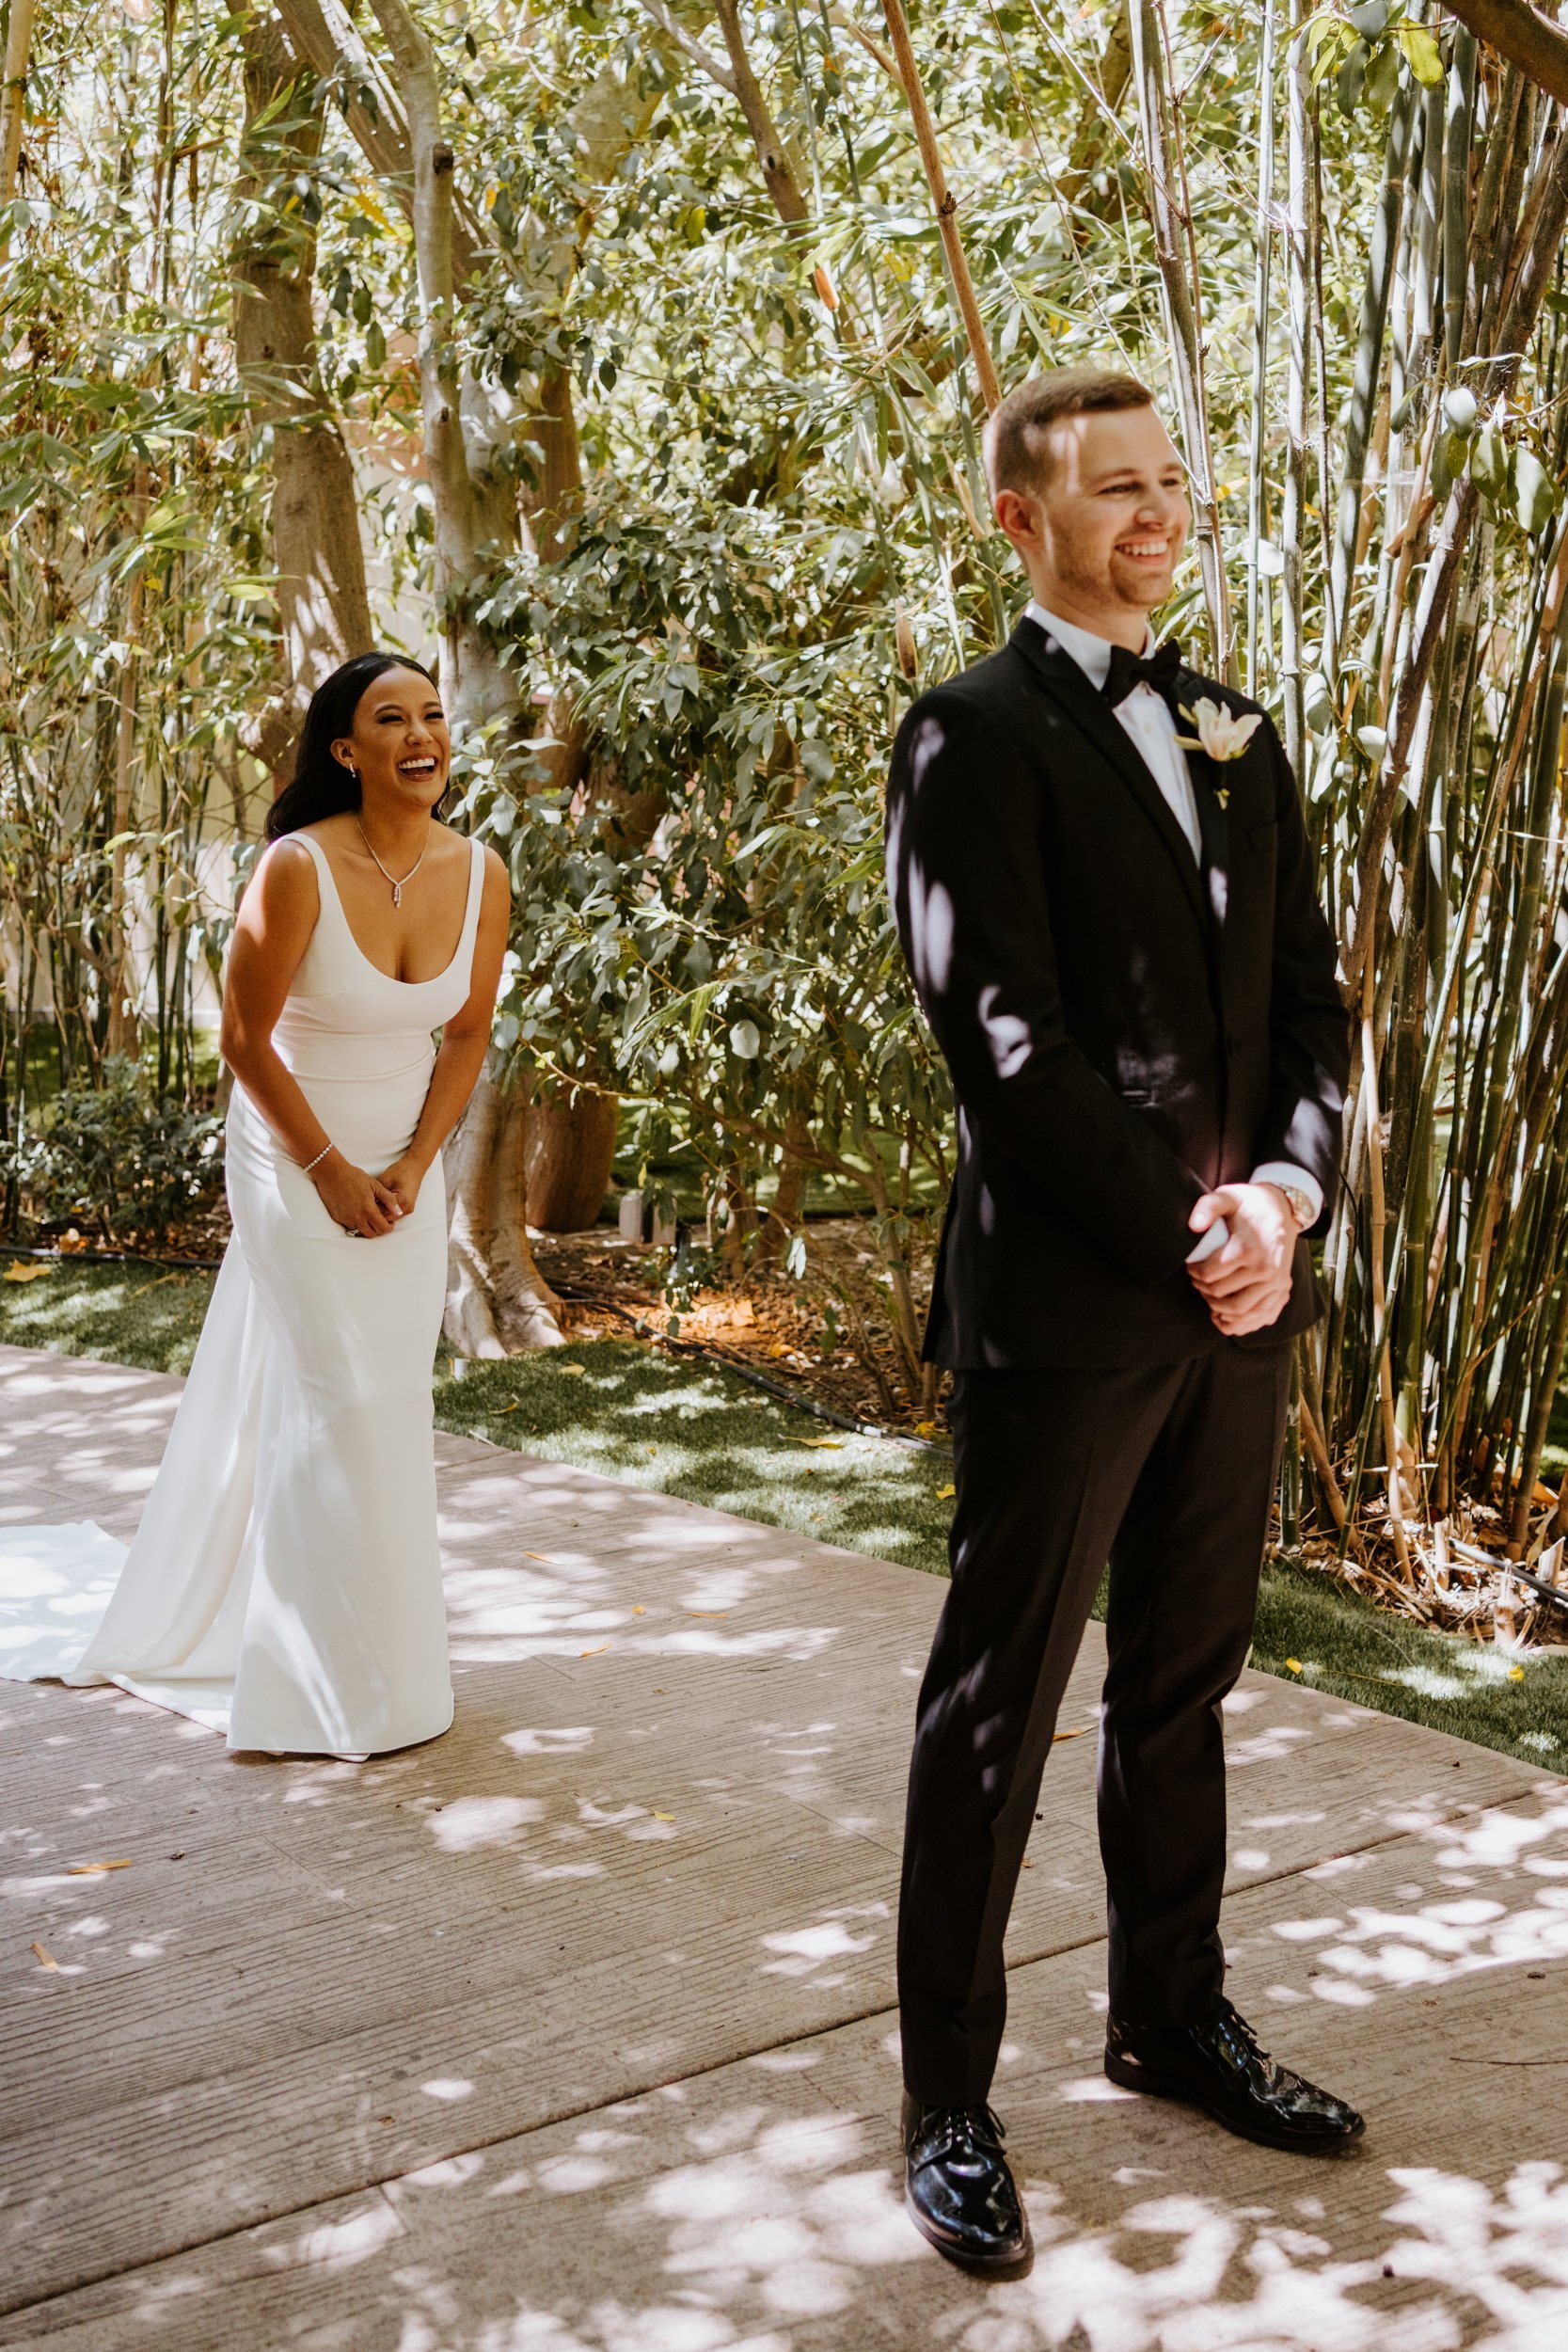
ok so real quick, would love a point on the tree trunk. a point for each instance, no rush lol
(568, 1149)
(476, 685)
(497, 1301)
(322, 603)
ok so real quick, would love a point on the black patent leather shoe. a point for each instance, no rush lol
(1221, 2068)
(958, 2189)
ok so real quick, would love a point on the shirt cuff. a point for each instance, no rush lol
(1298, 1180)
(1215, 1238)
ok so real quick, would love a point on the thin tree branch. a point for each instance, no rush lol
(778, 168)
(1523, 35)
(699, 54)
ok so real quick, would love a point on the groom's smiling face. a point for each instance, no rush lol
(1103, 531)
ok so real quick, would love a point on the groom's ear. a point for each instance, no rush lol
(1018, 517)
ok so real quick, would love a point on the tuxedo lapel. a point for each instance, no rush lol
(1093, 715)
(1211, 794)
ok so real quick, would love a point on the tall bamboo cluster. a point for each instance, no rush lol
(1408, 511)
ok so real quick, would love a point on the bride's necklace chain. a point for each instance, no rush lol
(397, 885)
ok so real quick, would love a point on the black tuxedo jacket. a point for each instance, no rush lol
(1125, 1028)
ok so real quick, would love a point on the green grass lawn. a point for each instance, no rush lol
(695, 1430)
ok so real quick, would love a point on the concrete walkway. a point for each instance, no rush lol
(574, 2032)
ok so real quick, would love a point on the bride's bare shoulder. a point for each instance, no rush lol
(283, 886)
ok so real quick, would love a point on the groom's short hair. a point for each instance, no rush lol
(1018, 430)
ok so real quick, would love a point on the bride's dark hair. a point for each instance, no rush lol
(321, 785)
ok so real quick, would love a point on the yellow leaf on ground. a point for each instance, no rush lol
(707, 1613)
(828, 1445)
(1515, 1674)
(91, 1869)
(664, 1817)
(1293, 1665)
(1076, 1733)
(945, 1494)
(20, 1271)
(594, 1653)
(539, 1555)
(924, 1429)
(45, 1960)
(572, 1372)
(639, 1611)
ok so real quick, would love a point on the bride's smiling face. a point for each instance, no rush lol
(399, 745)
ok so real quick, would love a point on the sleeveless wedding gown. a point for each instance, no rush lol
(284, 1585)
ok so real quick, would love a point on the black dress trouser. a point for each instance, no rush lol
(1167, 1471)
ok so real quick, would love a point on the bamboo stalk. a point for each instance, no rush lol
(946, 205)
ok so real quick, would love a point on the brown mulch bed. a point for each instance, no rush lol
(824, 1334)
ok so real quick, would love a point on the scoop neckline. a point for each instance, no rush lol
(391, 977)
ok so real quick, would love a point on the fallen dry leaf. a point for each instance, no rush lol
(639, 1611)
(572, 1372)
(1293, 1665)
(45, 1960)
(594, 1653)
(707, 1613)
(19, 1271)
(1076, 1733)
(828, 1445)
(924, 1429)
(539, 1555)
(945, 1494)
(664, 1817)
(91, 1869)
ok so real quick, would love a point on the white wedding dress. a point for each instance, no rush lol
(284, 1585)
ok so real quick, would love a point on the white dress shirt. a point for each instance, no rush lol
(1147, 717)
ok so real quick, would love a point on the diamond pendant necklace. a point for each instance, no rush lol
(397, 887)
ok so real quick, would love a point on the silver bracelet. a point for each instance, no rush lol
(321, 1155)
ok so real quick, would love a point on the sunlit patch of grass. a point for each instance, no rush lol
(695, 1430)
(1313, 1631)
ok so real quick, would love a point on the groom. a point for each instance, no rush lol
(1114, 936)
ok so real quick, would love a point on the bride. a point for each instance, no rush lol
(284, 1585)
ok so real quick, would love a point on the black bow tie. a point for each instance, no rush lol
(1159, 669)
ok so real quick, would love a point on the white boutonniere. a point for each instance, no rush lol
(1221, 734)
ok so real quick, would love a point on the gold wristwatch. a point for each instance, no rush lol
(1300, 1206)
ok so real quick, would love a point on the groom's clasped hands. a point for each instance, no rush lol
(1245, 1285)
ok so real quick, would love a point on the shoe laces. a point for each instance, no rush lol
(959, 2131)
(1232, 2027)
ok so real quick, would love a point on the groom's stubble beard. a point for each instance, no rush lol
(1091, 575)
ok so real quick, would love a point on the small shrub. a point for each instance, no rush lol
(117, 1157)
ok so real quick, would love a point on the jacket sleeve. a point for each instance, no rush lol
(967, 882)
(1309, 1028)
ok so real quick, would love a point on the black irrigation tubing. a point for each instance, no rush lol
(107, 1257)
(1536, 1583)
(755, 1380)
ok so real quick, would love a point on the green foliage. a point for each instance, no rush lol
(118, 1158)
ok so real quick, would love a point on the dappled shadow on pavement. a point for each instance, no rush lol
(573, 2031)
